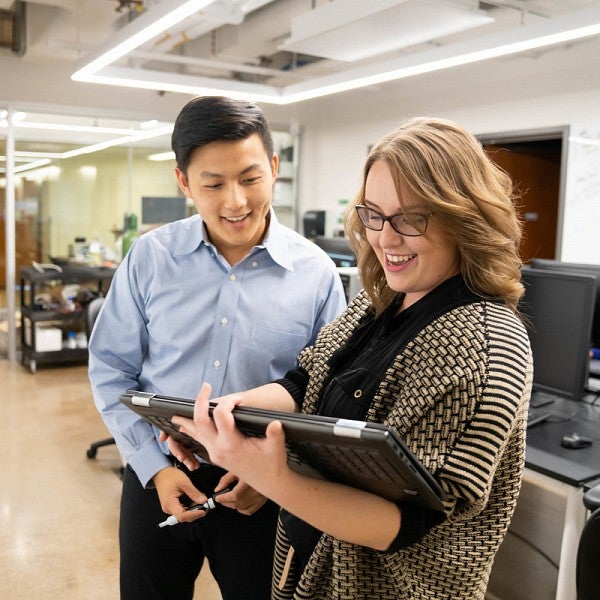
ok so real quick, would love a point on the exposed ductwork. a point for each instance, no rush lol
(282, 50)
(350, 30)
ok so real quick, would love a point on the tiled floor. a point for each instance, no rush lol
(58, 509)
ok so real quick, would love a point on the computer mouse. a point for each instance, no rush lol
(575, 441)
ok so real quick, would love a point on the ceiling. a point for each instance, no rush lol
(272, 51)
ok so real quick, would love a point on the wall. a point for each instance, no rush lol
(90, 206)
(333, 152)
(554, 87)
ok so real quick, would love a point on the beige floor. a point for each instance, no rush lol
(58, 509)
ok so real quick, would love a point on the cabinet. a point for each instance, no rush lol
(44, 325)
(285, 191)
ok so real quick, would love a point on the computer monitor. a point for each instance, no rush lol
(594, 270)
(157, 210)
(338, 249)
(313, 223)
(350, 281)
(559, 309)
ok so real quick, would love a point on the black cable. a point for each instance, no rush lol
(534, 548)
(596, 398)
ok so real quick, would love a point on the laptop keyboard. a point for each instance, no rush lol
(165, 425)
(353, 461)
(537, 414)
(540, 398)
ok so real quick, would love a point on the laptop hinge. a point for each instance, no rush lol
(348, 428)
(142, 398)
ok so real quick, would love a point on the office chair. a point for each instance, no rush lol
(588, 552)
(92, 310)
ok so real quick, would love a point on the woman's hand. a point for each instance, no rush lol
(257, 461)
(242, 497)
(261, 463)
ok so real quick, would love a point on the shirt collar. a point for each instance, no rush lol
(275, 241)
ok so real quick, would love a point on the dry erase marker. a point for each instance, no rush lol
(206, 506)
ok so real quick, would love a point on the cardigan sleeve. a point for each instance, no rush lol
(486, 381)
(295, 382)
(416, 522)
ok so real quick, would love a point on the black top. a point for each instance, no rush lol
(356, 372)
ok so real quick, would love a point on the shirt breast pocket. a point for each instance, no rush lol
(271, 353)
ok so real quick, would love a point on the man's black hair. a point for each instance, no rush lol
(217, 118)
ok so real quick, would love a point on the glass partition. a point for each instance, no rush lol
(78, 179)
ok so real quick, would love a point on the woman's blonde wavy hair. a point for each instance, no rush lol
(470, 197)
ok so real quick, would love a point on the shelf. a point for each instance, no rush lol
(30, 358)
(51, 315)
(76, 274)
(64, 320)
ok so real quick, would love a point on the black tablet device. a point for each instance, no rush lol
(364, 455)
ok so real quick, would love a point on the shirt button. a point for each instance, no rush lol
(224, 321)
(232, 277)
(217, 364)
(254, 263)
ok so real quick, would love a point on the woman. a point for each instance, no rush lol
(434, 347)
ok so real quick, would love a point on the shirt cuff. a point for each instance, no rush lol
(147, 462)
(416, 523)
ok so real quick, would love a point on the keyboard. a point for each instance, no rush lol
(540, 398)
(537, 414)
(593, 385)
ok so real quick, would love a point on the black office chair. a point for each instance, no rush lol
(92, 310)
(588, 551)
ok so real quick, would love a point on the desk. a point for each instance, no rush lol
(565, 472)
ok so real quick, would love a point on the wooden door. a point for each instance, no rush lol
(535, 170)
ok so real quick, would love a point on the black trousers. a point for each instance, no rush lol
(163, 563)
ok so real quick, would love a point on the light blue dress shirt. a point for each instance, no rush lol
(177, 314)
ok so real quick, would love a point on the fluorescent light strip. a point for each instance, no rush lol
(77, 128)
(160, 156)
(153, 22)
(25, 159)
(118, 142)
(28, 154)
(446, 63)
(143, 135)
(33, 165)
(554, 31)
(183, 84)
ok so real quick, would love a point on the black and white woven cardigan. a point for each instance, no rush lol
(458, 394)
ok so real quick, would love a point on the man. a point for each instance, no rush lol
(228, 297)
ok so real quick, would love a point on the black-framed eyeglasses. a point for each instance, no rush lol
(410, 224)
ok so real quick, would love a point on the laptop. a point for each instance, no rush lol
(368, 456)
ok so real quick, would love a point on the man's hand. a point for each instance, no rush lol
(183, 455)
(172, 483)
(260, 462)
